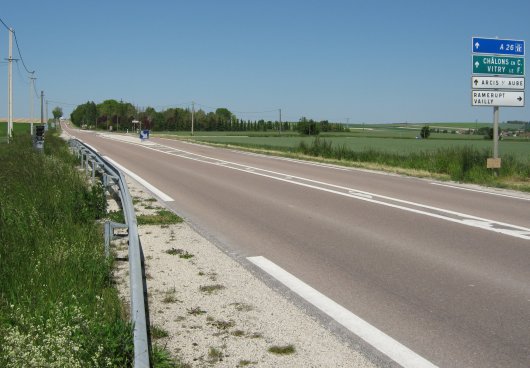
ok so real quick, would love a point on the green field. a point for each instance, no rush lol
(399, 142)
(452, 152)
(17, 128)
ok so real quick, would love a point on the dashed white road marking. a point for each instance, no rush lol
(375, 337)
(418, 208)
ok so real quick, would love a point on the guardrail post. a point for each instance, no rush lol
(107, 239)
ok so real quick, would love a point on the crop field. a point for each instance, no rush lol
(17, 128)
(393, 143)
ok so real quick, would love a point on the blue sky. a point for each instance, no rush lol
(366, 61)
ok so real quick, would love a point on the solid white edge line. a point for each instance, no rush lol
(163, 196)
(515, 231)
(480, 191)
(375, 337)
(92, 148)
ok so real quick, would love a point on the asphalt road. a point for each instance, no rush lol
(443, 270)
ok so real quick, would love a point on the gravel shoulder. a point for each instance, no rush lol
(208, 310)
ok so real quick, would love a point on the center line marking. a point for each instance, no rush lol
(418, 208)
(375, 337)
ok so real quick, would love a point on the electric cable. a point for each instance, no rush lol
(20, 74)
(63, 103)
(5, 25)
(18, 46)
(20, 55)
(238, 112)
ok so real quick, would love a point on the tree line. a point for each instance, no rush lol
(120, 115)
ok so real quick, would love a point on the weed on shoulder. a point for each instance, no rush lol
(161, 217)
(282, 350)
(158, 332)
(197, 311)
(209, 289)
(245, 363)
(215, 355)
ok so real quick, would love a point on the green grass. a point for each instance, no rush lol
(282, 350)
(209, 289)
(404, 142)
(158, 332)
(215, 355)
(465, 163)
(162, 217)
(58, 306)
(245, 363)
(460, 157)
(18, 128)
(162, 359)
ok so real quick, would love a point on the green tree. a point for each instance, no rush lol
(425, 132)
(223, 115)
(77, 115)
(108, 108)
(57, 112)
(308, 127)
(91, 113)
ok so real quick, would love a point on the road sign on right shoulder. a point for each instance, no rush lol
(515, 83)
(498, 65)
(497, 47)
(497, 98)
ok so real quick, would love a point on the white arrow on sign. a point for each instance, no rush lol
(497, 98)
(477, 64)
(498, 83)
(477, 45)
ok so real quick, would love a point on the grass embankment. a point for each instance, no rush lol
(463, 164)
(58, 307)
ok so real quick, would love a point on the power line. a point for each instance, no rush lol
(35, 88)
(63, 103)
(5, 25)
(171, 106)
(239, 112)
(18, 47)
(20, 55)
(20, 73)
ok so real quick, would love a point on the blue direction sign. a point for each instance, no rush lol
(497, 47)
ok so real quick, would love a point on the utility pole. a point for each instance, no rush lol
(10, 87)
(280, 110)
(31, 102)
(42, 107)
(192, 115)
(496, 132)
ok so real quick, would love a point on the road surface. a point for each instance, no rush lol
(444, 270)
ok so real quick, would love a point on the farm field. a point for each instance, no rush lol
(381, 140)
(17, 128)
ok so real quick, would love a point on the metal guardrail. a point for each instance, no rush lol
(92, 161)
